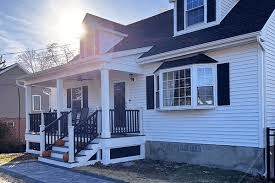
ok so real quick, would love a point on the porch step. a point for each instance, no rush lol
(57, 154)
(57, 162)
(61, 149)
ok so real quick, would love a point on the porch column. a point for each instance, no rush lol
(28, 97)
(105, 100)
(59, 100)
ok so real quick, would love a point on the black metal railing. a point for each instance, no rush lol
(85, 132)
(270, 157)
(49, 117)
(35, 122)
(124, 121)
(58, 129)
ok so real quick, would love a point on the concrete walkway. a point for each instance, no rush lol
(41, 172)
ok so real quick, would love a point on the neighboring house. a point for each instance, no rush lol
(12, 105)
(194, 84)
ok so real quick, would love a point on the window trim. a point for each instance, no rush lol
(194, 105)
(33, 102)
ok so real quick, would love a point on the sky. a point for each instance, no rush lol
(32, 24)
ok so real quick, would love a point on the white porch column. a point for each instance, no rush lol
(59, 100)
(105, 100)
(59, 96)
(42, 139)
(28, 98)
(71, 143)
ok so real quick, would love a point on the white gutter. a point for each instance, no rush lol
(200, 48)
(262, 97)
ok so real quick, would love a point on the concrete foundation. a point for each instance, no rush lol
(246, 159)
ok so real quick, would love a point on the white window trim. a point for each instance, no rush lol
(194, 86)
(198, 26)
(33, 102)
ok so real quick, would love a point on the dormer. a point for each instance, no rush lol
(100, 36)
(193, 15)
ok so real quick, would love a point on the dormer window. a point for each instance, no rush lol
(195, 11)
(192, 15)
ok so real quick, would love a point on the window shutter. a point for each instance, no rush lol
(85, 96)
(150, 92)
(223, 84)
(69, 98)
(211, 10)
(180, 15)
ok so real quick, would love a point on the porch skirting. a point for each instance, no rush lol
(246, 159)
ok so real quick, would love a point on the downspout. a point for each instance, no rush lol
(262, 94)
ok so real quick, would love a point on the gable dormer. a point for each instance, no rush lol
(193, 15)
(100, 36)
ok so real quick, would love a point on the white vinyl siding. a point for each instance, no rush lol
(269, 44)
(235, 125)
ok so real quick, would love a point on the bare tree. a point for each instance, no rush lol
(53, 56)
(2, 62)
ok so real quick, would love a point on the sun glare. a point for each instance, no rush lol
(70, 26)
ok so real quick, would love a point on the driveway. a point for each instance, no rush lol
(40, 172)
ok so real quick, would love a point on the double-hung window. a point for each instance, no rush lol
(187, 87)
(194, 11)
(36, 102)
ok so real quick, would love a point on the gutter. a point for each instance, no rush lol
(246, 38)
(262, 97)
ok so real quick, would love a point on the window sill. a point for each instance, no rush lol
(187, 108)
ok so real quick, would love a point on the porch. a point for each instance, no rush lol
(111, 131)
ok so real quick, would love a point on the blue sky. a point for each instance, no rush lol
(33, 24)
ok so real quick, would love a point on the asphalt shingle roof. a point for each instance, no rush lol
(246, 17)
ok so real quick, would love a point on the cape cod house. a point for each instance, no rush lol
(194, 84)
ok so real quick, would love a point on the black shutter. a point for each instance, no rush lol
(85, 96)
(211, 10)
(150, 92)
(180, 15)
(223, 84)
(69, 98)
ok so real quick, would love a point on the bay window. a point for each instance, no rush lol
(186, 87)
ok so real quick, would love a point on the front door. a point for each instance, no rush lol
(119, 106)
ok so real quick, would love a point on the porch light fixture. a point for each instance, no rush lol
(131, 76)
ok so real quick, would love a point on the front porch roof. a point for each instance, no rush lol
(80, 69)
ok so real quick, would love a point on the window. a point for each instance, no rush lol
(36, 102)
(186, 87)
(195, 11)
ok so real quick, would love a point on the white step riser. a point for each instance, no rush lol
(53, 162)
(60, 149)
(57, 155)
(66, 143)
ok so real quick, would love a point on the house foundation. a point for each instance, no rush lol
(245, 159)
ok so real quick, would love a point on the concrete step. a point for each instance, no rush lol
(61, 148)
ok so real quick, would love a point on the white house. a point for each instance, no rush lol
(194, 84)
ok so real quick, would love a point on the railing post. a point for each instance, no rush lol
(71, 143)
(42, 139)
(267, 154)
(42, 119)
(70, 123)
(140, 117)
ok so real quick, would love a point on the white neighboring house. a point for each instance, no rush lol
(194, 84)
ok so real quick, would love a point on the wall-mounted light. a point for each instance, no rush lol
(131, 77)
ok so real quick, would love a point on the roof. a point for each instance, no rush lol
(11, 67)
(246, 17)
(198, 59)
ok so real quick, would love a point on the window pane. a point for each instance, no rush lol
(188, 101)
(165, 85)
(176, 74)
(194, 3)
(170, 75)
(176, 101)
(164, 76)
(36, 103)
(170, 84)
(176, 92)
(76, 93)
(205, 95)
(205, 76)
(177, 83)
(195, 16)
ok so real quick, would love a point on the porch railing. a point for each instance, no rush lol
(124, 121)
(49, 117)
(58, 129)
(35, 122)
(85, 132)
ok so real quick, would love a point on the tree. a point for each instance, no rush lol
(54, 55)
(2, 62)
